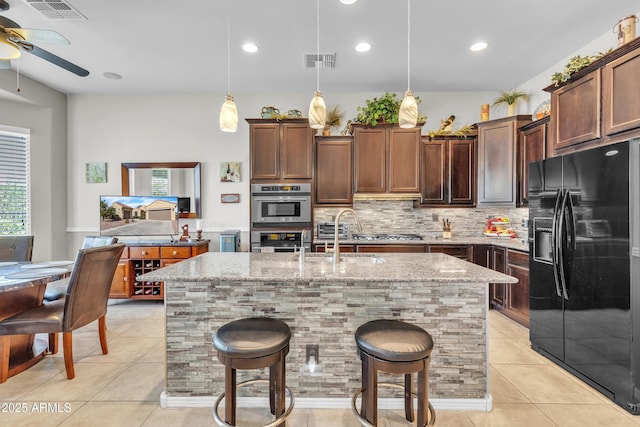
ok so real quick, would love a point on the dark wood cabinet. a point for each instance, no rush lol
(531, 148)
(575, 111)
(281, 150)
(386, 159)
(447, 171)
(497, 142)
(334, 170)
(518, 302)
(498, 291)
(458, 251)
(391, 248)
(621, 93)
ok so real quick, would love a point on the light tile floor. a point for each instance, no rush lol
(123, 388)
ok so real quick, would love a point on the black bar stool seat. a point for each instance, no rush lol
(394, 347)
(254, 343)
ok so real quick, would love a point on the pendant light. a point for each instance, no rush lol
(229, 111)
(408, 114)
(317, 108)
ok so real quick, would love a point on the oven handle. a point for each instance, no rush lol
(280, 198)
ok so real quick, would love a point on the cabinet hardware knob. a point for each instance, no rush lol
(144, 253)
(175, 252)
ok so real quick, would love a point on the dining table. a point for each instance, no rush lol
(22, 286)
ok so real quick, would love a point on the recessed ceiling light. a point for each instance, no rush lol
(112, 76)
(476, 47)
(363, 47)
(250, 47)
(348, 1)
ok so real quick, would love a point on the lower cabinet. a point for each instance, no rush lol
(518, 306)
(391, 248)
(498, 291)
(458, 251)
(138, 260)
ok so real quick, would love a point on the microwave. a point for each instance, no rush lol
(280, 205)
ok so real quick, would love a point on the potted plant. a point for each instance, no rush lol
(511, 100)
(334, 120)
(381, 110)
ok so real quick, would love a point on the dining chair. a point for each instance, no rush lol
(86, 301)
(16, 248)
(56, 290)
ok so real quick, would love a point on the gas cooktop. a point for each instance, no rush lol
(385, 236)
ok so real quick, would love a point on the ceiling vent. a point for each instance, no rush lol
(322, 60)
(56, 9)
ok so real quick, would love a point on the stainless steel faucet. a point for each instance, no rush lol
(336, 245)
(302, 249)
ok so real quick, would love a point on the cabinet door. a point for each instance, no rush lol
(458, 251)
(575, 111)
(265, 148)
(621, 93)
(481, 255)
(518, 308)
(532, 148)
(120, 282)
(296, 150)
(404, 160)
(499, 299)
(390, 248)
(434, 171)
(496, 164)
(370, 160)
(461, 174)
(333, 171)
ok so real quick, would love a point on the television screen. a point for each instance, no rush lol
(184, 204)
(138, 215)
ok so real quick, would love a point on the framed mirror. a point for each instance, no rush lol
(180, 179)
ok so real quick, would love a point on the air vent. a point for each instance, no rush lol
(56, 9)
(323, 60)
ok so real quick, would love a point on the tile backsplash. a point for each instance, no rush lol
(391, 216)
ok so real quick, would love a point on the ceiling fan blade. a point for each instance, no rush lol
(5, 64)
(39, 36)
(54, 59)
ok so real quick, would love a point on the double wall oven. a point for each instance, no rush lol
(280, 217)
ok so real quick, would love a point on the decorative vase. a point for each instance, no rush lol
(326, 131)
(484, 112)
(511, 109)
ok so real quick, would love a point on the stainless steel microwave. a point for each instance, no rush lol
(276, 204)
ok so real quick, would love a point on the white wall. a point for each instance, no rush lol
(44, 111)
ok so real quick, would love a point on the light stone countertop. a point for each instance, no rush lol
(511, 243)
(285, 267)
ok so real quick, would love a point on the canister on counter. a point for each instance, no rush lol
(626, 29)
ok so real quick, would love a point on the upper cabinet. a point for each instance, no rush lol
(532, 144)
(334, 170)
(386, 159)
(599, 104)
(448, 171)
(281, 150)
(497, 145)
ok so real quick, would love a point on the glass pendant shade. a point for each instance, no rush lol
(317, 112)
(408, 114)
(8, 50)
(229, 115)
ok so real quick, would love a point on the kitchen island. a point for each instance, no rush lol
(324, 304)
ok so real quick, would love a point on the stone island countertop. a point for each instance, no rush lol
(324, 306)
(357, 267)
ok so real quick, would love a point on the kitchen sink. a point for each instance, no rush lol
(349, 258)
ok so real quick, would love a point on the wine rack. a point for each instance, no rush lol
(146, 289)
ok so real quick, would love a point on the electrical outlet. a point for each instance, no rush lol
(313, 350)
(435, 217)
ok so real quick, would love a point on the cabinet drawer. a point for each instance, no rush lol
(169, 252)
(144, 252)
(125, 253)
(458, 251)
(518, 258)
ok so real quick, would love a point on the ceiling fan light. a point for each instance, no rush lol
(317, 112)
(408, 114)
(8, 50)
(229, 115)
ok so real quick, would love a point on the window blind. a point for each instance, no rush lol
(15, 194)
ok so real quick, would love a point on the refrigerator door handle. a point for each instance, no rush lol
(554, 244)
(561, 233)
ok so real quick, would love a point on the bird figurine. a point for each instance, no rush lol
(447, 125)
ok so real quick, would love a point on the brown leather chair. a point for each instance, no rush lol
(86, 300)
(56, 290)
(16, 248)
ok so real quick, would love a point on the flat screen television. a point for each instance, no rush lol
(138, 215)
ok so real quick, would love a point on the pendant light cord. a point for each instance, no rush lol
(228, 58)
(317, 46)
(408, 44)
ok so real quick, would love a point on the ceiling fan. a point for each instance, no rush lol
(14, 39)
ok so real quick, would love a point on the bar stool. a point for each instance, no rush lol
(254, 343)
(394, 347)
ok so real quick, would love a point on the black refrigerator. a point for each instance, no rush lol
(584, 260)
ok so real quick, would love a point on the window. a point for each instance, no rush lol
(15, 194)
(160, 182)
